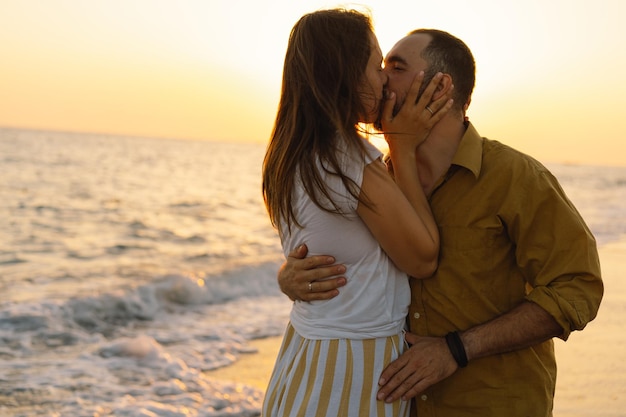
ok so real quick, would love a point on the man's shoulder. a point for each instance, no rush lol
(502, 157)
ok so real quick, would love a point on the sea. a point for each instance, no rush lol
(129, 267)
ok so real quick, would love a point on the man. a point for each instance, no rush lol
(517, 265)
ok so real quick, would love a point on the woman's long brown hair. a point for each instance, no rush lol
(320, 105)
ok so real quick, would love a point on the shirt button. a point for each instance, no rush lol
(424, 397)
(416, 315)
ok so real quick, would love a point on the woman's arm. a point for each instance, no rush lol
(398, 214)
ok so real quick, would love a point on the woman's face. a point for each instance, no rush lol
(373, 83)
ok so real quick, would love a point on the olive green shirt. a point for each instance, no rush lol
(508, 234)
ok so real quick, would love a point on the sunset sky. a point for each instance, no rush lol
(550, 77)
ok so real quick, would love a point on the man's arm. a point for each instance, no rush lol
(429, 359)
(526, 325)
(308, 279)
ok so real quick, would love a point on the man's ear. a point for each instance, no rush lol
(444, 86)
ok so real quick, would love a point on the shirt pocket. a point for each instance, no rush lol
(477, 266)
(459, 240)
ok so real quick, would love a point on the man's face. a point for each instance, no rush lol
(403, 63)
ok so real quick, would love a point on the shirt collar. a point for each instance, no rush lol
(469, 155)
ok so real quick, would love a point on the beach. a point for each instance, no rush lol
(591, 364)
(254, 368)
(139, 278)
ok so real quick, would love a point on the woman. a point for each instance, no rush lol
(325, 185)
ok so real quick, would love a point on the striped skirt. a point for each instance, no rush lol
(336, 377)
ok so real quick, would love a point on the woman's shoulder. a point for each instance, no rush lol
(357, 152)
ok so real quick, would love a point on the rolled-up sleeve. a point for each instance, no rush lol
(557, 253)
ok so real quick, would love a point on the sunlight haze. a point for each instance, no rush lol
(548, 72)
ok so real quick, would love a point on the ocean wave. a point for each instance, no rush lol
(11, 260)
(111, 312)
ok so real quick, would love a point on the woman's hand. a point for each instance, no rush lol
(415, 119)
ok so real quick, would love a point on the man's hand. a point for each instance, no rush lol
(308, 279)
(425, 363)
(429, 360)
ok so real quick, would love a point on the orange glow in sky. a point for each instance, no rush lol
(549, 79)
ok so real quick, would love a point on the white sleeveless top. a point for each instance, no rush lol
(374, 302)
